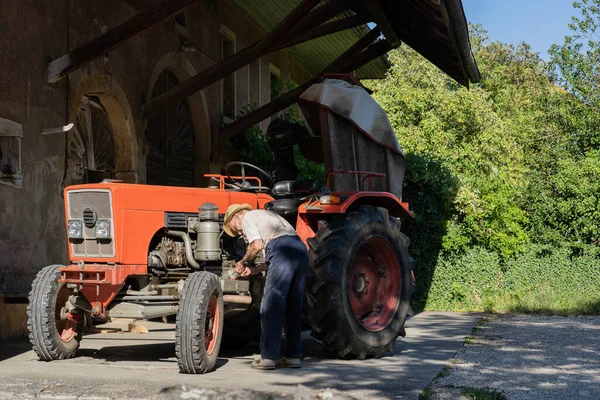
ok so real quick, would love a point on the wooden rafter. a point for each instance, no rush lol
(327, 29)
(353, 50)
(366, 56)
(230, 64)
(345, 63)
(101, 45)
(317, 17)
(378, 15)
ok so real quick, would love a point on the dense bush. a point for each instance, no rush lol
(504, 179)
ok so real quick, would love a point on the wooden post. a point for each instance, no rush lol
(229, 65)
(101, 45)
(291, 97)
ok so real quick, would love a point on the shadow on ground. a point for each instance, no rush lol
(13, 347)
(533, 357)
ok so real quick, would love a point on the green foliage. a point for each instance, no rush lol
(575, 63)
(483, 394)
(504, 178)
(251, 146)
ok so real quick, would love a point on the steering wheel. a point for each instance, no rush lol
(245, 185)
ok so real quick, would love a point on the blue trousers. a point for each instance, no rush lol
(283, 297)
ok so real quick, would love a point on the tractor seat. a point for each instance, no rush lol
(293, 188)
(287, 208)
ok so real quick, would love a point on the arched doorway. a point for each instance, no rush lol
(170, 135)
(91, 147)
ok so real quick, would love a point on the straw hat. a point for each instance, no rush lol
(231, 211)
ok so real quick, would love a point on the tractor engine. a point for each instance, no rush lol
(178, 250)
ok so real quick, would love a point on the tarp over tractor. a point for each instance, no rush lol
(356, 134)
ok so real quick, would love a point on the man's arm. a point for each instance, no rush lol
(250, 255)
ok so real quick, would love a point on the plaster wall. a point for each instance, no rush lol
(34, 32)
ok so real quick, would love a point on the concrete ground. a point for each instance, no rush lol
(137, 366)
(527, 357)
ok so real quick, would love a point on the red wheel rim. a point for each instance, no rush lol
(67, 328)
(211, 325)
(374, 284)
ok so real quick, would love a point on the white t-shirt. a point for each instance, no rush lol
(265, 225)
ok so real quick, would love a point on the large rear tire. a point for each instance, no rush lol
(199, 324)
(359, 285)
(53, 333)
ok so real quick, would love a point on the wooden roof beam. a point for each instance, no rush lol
(230, 64)
(378, 15)
(317, 17)
(327, 29)
(353, 50)
(75, 59)
(345, 62)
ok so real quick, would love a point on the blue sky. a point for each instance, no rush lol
(540, 23)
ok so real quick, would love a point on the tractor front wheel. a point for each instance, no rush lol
(199, 324)
(358, 288)
(54, 333)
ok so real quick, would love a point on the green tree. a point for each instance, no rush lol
(576, 63)
(503, 177)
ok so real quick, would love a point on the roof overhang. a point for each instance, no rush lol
(438, 30)
(318, 53)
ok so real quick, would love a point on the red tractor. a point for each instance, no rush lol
(140, 251)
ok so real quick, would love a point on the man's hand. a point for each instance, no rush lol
(239, 267)
(248, 271)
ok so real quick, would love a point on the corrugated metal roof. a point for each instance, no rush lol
(318, 53)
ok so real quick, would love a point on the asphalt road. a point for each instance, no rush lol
(137, 366)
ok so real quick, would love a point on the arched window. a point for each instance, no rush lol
(91, 144)
(170, 135)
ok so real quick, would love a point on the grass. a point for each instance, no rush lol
(425, 394)
(468, 392)
(483, 394)
(546, 301)
(543, 300)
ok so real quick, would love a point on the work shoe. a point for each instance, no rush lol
(289, 363)
(263, 363)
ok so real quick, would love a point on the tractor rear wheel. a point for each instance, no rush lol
(199, 323)
(54, 333)
(358, 288)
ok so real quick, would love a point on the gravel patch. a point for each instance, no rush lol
(528, 357)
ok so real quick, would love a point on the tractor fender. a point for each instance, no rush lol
(386, 200)
(311, 212)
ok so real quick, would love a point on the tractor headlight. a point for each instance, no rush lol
(103, 229)
(75, 229)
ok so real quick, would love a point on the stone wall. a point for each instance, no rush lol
(34, 32)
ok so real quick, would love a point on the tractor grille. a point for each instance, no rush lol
(89, 206)
(89, 217)
(179, 220)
